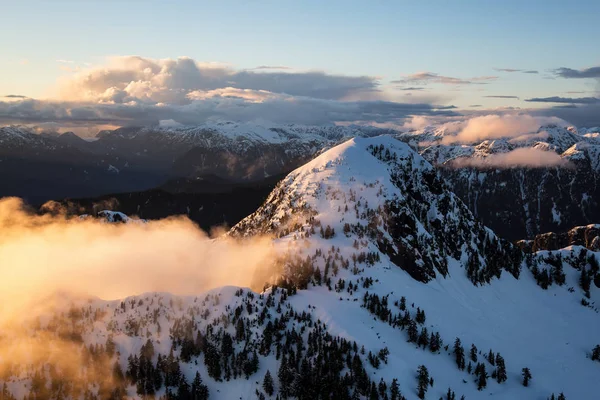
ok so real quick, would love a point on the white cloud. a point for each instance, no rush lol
(499, 126)
(523, 157)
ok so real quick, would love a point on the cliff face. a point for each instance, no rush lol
(587, 236)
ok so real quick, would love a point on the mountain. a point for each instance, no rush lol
(387, 284)
(41, 167)
(520, 200)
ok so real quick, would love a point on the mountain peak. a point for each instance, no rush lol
(381, 193)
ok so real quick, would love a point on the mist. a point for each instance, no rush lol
(523, 157)
(498, 126)
(43, 255)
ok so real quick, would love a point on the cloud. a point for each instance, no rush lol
(431, 77)
(528, 71)
(42, 255)
(523, 157)
(497, 126)
(411, 88)
(569, 73)
(271, 67)
(502, 97)
(65, 61)
(235, 106)
(572, 100)
(135, 90)
(582, 115)
(14, 96)
(507, 70)
(170, 80)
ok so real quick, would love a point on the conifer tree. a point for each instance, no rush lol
(459, 354)
(395, 393)
(584, 282)
(199, 390)
(526, 376)
(596, 353)
(473, 353)
(268, 384)
(481, 376)
(422, 381)
(501, 369)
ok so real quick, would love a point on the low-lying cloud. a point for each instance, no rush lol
(486, 127)
(525, 157)
(42, 255)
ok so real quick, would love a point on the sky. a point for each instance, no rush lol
(466, 56)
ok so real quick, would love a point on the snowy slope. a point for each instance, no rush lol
(403, 235)
(497, 316)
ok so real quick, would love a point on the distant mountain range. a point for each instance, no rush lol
(517, 200)
(39, 167)
(525, 198)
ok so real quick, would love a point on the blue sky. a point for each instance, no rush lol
(385, 39)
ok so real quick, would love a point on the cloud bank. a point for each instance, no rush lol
(134, 90)
(485, 127)
(42, 255)
(525, 157)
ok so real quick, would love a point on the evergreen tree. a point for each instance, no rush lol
(473, 353)
(413, 333)
(596, 353)
(526, 376)
(491, 357)
(395, 393)
(267, 385)
(212, 360)
(286, 378)
(459, 354)
(481, 376)
(199, 390)
(584, 282)
(422, 381)
(501, 369)
(183, 391)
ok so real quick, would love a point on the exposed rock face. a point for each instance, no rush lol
(587, 236)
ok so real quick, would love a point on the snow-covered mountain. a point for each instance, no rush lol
(137, 158)
(230, 150)
(532, 192)
(389, 288)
